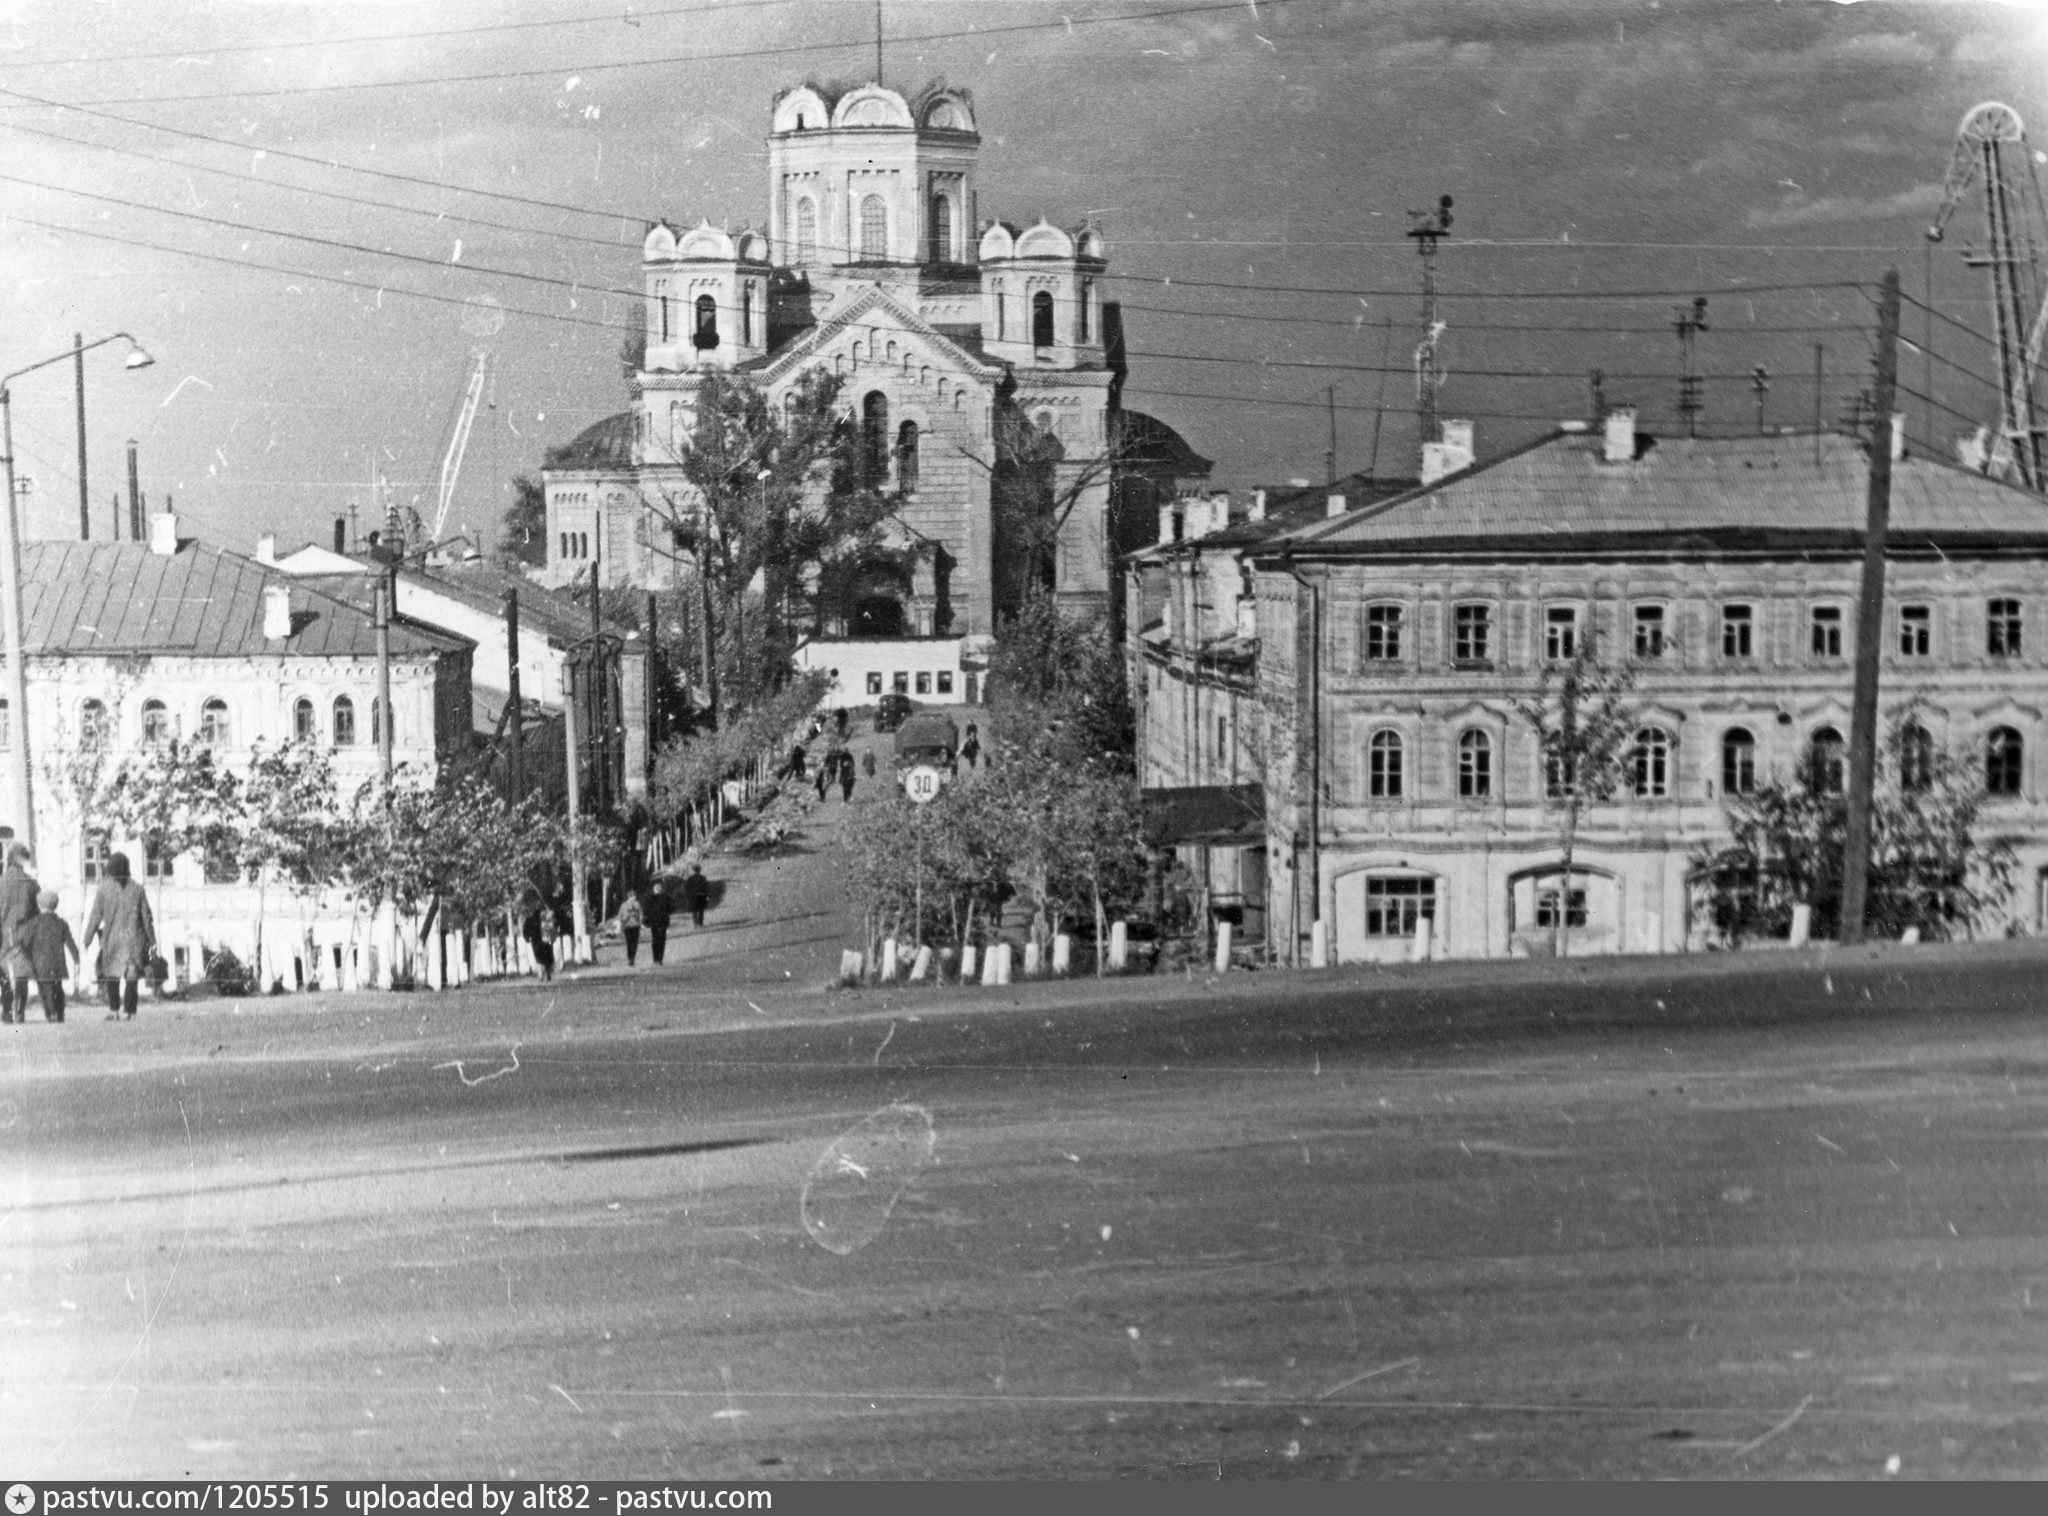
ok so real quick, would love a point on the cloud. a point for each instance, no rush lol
(1828, 210)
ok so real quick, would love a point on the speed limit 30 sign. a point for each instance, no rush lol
(921, 783)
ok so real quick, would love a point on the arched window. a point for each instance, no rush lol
(706, 335)
(874, 439)
(303, 727)
(747, 315)
(1383, 766)
(1041, 319)
(344, 721)
(1916, 759)
(2004, 760)
(1475, 765)
(156, 723)
(1649, 763)
(874, 229)
(1827, 764)
(1738, 761)
(661, 299)
(906, 456)
(942, 230)
(806, 231)
(213, 722)
(1081, 310)
(93, 726)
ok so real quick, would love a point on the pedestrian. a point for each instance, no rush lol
(971, 748)
(657, 912)
(44, 942)
(867, 763)
(696, 894)
(825, 772)
(795, 768)
(846, 776)
(18, 890)
(840, 722)
(630, 917)
(539, 932)
(120, 919)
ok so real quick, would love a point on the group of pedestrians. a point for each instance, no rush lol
(36, 945)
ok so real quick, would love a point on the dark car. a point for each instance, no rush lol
(893, 711)
(929, 737)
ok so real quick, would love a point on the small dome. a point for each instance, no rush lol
(751, 246)
(608, 444)
(1045, 241)
(997, 243)
(1089, 244)
(801, 110)
(705, 241)
(872, 105)
(946, 111)
(660, 243)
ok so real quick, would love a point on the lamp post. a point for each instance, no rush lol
(20, 793)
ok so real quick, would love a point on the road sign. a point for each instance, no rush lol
(921, 784)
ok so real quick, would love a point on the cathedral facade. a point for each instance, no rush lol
(952, 339)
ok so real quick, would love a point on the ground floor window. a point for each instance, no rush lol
(1547, 899)
(1394, 903)
(945, 681)
(156, 864)
(924, 682)
(901, 683)
(95, 857)
(874, 684)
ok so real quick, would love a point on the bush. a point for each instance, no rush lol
(228, 974)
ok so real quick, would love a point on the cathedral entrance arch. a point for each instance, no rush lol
(880, 603)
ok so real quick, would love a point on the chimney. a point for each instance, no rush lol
(1450, 455)
(266, 548)
(277, 611)
(1898, 435)
(341, 534)
(1258, 511)
(163, 533)
(1167, 533)
(1335, 506)
(1196, 515)
(1620, 443)
(1247, 617)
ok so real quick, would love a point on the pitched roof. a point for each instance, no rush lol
(83, 598)
(482, 584)
(1558, 494)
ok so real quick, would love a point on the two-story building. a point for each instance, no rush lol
(1396, 645)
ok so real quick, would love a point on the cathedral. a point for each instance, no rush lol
(955, 347)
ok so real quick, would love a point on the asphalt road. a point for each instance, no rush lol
(1774, 1216)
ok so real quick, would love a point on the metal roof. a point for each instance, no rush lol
(122, 597)
(1559, 492)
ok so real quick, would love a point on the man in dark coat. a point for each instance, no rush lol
(120, 919)
(696, 895)
(656, 912)
(18, 892)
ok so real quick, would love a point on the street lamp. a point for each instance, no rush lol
(20, 796)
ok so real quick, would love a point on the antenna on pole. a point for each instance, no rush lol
(1689, 326)
(1428, 227)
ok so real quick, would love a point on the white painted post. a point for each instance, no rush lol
(988, 965)
(1119, 946)
(888, 960)
(1910, 936)
(1802, 924)
(1031, 960)
(969, 961)
(433, 974)
(1653, 934)
(1222, 947)
(921, 965)
(1001, 961)
(1062, 954)
(849, 966)
(387, 945)
(1318, 945)
(351, 973)
(1419, 950)
(195, 960)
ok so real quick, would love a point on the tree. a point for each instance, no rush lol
(523, 530)
(174, 798)
(1034, 487)
(1929, 867)
(774, 508)
(284, 826)
(1584, 723)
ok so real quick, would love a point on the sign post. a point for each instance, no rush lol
(921, 783)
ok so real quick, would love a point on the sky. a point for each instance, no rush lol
(315, 216)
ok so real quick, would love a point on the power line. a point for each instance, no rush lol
(608, 18)
(556, 70)
(1724, 292)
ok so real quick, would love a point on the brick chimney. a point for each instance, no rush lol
(1619, 443)
(163, 533)
(1450, 455)
(266, 548)
(1336, 505)
(277, 612)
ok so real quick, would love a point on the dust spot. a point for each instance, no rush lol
(857, 1181)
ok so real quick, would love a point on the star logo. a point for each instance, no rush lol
(20, 1500)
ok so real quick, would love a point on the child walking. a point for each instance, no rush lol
(43, 943)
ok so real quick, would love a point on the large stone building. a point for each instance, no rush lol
(876, 268)
(1384, 652)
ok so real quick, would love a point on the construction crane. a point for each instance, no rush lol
(458, 444)
(1991, 152)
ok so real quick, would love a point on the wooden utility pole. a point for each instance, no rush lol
(515, 764)
(1870, 623)
(84, 495)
